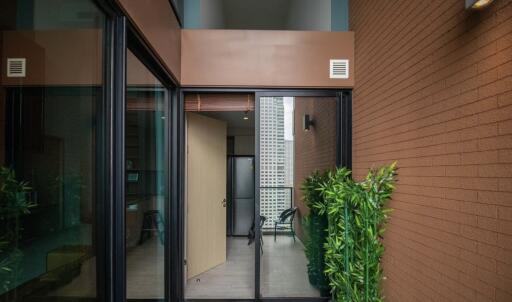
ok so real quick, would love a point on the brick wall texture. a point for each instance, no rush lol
(315, 150)
(434, 91)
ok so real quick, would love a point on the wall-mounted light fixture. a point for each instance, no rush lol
(246, 115)
(307, 122)
(477, 4)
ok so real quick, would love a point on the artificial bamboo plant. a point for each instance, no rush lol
(356, 213)
(315, 227)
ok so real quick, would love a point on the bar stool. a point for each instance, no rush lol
(151, 222)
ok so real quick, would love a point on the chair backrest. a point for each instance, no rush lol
(288, 213)
(262, 221)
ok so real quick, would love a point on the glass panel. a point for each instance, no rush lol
(50, 96)
(146, 182)
(289, 152)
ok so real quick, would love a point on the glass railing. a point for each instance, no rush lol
(273, 201)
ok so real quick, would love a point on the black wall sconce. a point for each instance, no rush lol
(477, 4)
(307, 122)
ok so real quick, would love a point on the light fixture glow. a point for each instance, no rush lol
(478, 4)
(246, 115)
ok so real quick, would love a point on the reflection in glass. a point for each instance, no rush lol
(49, 149)
(288, 154)
(146, 185)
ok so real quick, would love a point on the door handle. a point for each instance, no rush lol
(224, 202)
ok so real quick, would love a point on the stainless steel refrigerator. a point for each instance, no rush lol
(240, 209)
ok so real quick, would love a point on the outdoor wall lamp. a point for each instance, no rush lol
(477, 4)
(307, 122)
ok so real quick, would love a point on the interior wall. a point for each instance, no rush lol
(436, 95)
(256, 14)
(70, 14)
(309, 15)
(259, 14)
(339, 15)
(212, 14)
(244, 140)
(244, 145)
(314, 150)
(192, 14)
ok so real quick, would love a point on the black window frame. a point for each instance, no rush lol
(343, 159)
(120, 35)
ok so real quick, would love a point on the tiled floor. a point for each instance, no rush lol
(283, 269)
(144, 274)
(232, 279)
(283, 272)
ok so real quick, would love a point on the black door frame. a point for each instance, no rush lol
(343, 158)
(120, 34)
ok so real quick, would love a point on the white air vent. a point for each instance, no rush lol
(338, 69)
(16, 67)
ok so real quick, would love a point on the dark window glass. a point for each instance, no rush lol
(50, 95)
(146, 182)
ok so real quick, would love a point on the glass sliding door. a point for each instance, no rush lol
(297, 136)
(147, 189)
(51, 95)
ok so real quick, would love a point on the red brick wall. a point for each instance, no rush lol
(434, 91)
(314, 149)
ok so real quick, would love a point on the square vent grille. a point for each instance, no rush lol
(338, 69)
(16, 67)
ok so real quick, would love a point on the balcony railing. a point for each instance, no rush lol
(273, 201)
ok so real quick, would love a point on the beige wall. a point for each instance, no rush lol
(257, 58)
(435, 93)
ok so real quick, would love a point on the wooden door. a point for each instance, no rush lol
(206, 193)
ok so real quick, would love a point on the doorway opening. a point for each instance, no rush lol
(220, 196)
(244, 233)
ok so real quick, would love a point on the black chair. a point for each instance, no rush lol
(285, 222)
(262, 222)
(152, 222)
(252, 232)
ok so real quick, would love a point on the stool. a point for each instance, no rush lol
(151, 222)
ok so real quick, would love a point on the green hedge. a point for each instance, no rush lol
(315, 229)
(356, 214)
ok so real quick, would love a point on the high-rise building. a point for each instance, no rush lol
(276, 178)
(288, 162)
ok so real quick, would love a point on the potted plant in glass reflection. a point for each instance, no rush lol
(356, 214)
(14, 203)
